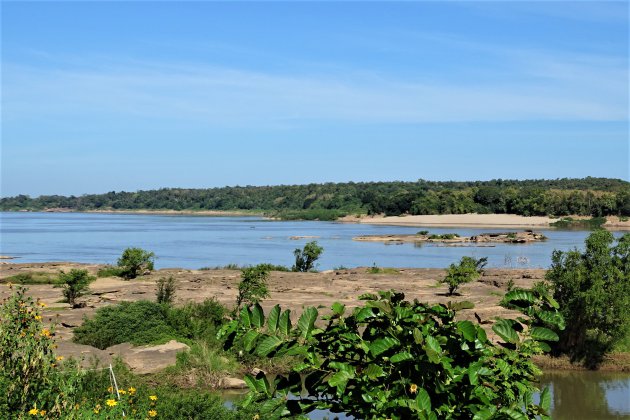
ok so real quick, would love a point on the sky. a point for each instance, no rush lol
(111, 96)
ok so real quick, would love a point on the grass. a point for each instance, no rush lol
(382, 270)
(109, 271)
(571, 223)
(266, 266)
(31, 278)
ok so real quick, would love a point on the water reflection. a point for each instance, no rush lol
(589, 395)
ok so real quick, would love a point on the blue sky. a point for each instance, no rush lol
(102, 96)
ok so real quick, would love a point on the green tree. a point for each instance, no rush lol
(166, 290)
(305, 258)
(253, 286)
(396, 359)
(469, 269)
(593, 290)
(75, 284)
(134, 261)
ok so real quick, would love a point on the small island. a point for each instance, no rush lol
(526, 236)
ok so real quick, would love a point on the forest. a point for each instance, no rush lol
(589, 196)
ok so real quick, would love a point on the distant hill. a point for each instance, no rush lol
(559, 197)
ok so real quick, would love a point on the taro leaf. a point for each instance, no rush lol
(467, 329)
(268, 344)
(381, 345)
(363, 314)
(423, 400)
(503, 328)
(246, 317)
(545, 399)
(374, 371)
(417, 336)
(519, 296)
(338, 308)
(552, 318)
(306, 323)
(273, 319)
(433, 344)
(285, 322)
(368, 296)
(401, 357)
(485, 414)
(544, 346)
(542, 333)
(249, 338)
(258, 316)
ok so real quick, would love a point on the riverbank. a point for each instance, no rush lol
(290, 290)
(216, 213)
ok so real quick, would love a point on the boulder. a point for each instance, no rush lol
(232, 383)
(148, 359)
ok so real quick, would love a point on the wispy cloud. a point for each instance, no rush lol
(540, 87)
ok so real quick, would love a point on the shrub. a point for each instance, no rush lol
(253, 286)
(109, 271)
(30, 278)
(391, 358)
(134, 261)
(469, 269)
(30, 378)
(593, 290)
(166, 290)
(378, 270)
(423, 232)
(75, 284)
(305, 258)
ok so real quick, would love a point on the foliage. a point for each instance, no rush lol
(30, 278)
(423, 232)
(30, 378)
(75, 284)
(145, 322)
(253, 286)
(444, 236)
(166, 290)
(134, 261)
(381, 270)
(561, 197)
(469, 269)
(109, 271)
(305, 258)
(571, 223)
(397, 359)
(593, 290)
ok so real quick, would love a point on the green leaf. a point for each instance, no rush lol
(368, 296)
(513, 414)
(381, 345)
(306, 322)
(401, 357)
(363, 314)
(423, 400)
(373, 371)
(542, 333)
(340, 380)
(246, 317)
(519, 295)
(267, 345)
(418, 338)
(545, 399)
(552, 318)
(285, 322)
(258, 316)
(467, 329)
(338, 308)
(485, 414)
(249, 338)
(273, 319)
(433, 344)
(503, 328)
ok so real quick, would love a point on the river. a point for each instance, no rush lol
(196, 241)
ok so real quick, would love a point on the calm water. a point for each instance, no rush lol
(194, 241)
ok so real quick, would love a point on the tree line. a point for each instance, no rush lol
(560, 197)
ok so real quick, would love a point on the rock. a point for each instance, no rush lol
(256, 371)
(148, 359)
(232, 383)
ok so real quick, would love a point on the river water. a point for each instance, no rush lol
(196, 241)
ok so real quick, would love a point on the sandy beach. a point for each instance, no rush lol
(459, 220)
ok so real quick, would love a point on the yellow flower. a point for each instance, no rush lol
(33, 411)
(152, 413)
(112, 402)
(42, 413)
(45, 333)
(38, 317)
(152, 397)
(98, 406)
(42, 304)
(59, 358)
(122, 391)
(10, 285)
(110, 389)
(132, 390)
(256, 417)
(413, 388)
(96, 411)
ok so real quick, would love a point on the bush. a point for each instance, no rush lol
(305, 258)
(391, 358)
(109, 271)
(423, 232)
(593, 290)
(134, 261)
(469, 269)
(166, 290)
(30, 278)
(253, 286)
(30, 378)
(75, 284)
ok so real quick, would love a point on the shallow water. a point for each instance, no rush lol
(196, 241)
